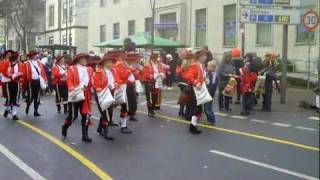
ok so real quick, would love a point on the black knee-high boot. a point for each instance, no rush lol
(59, 108)
(85, 137)
(65, 108)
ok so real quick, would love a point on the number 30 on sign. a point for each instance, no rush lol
(310, 20)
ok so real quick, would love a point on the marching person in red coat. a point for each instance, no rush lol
(79, 95)
(104, 77)
(12, 73)
(33, 71)
(5, 57)
(152, 70)
(195, 77)
(126, 74)
(59, 74)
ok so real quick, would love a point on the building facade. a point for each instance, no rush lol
(66, 23)
(197, 23)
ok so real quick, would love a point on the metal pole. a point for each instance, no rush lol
(66, 22)
(243, 36)
(283, 93)
(153, 20)
(309, 60)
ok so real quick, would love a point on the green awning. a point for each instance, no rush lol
(142, 40)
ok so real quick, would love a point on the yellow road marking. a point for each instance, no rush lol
(86, 162)
(265, 138)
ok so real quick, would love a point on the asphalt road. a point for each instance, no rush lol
(283, 145)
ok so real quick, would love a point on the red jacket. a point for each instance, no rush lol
(27, 71)
(193, 75)
(248, 80)
(122, 71)
(73, 81)
(8, 71)
(57, 77)
(99, 80)
(148, 72)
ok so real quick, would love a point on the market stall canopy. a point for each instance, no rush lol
(142, 40)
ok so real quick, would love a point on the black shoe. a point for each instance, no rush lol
(228, 109)
(151, 114)
(58, 109)
(27, 109)
(65, 109)
(237, 102)
(125, 130)
(36, 114)
(181, 114)
(111, 123)
(86, 139)
(99, 131)
(15, 118)
(133, 119)
(6, 113)
(64, 131)
(221, 109)
(193, 129)
(245, 113)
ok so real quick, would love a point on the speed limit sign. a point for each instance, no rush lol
(310, 20)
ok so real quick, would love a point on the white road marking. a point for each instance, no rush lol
(238, 117)
(281, 124)
(258, 121)
(23, 166)
(174, 106)
(305, 128)
(171, 102)
(143, 103)
(314, 118)
(220, 114)
(267, 166)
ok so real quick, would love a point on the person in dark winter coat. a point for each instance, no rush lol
(238, 63)
(225, 71)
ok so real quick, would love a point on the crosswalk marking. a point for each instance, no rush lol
(20, 164)
(220, 114)
(238, 117)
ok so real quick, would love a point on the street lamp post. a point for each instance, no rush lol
(153, 5)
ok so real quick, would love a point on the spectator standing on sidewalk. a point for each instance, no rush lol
(225, 71)
(271, 79)
(212, 82)
(248, 80)
(238, 63)
(170, 72)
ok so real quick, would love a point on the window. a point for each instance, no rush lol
(103, 3)
(131, 27)
(51, 15)
(264, 34)
(51, 40)
(64, 39)
(148, 25)
(70, 10)
(116, 30)
(168, 27)
(229, 25)
(116, 1)
(201, 27)
(102, 33)
(64, 12)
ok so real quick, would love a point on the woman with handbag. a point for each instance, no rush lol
(104, 82)
(59, 73)
(79, 95)
(35, 80)
(195, 77)
(12, 72)
(153, 73)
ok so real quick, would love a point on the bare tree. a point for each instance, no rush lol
(21, 15)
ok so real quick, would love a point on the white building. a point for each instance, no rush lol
(198, 23)
(66, 23)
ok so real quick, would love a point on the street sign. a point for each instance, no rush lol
(269, 16)
(310, 20)
(282, 3)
